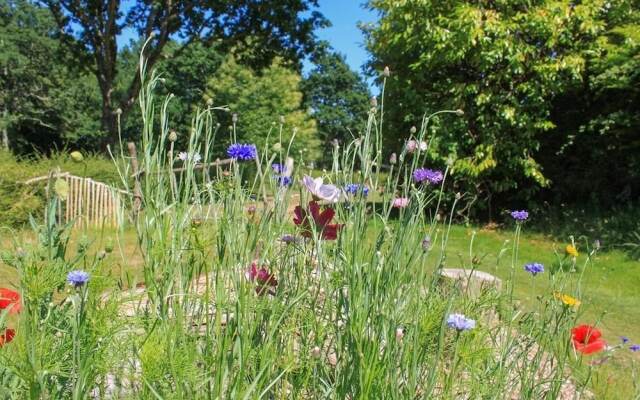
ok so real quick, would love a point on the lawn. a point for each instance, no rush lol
(609, 285)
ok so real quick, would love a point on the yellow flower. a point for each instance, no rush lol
(567, 300)
(571, 250)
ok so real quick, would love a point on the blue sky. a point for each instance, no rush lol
(343, 35)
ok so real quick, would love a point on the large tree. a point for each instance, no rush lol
(337, 96)
(257, 29)
(44, 102)
(261, 101)
(502, 62)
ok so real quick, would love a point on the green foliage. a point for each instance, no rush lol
(259, 100)
(502, 63)
(338, 97)
(44, 101)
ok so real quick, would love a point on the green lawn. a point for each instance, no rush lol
(609, 286)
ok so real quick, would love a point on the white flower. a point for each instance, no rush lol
(321, 191)
(184, 156)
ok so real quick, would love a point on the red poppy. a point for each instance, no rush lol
(7, 336)
(10, 300)
(321, 220)
(262, 277)
(586, 339)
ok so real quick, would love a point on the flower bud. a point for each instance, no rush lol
(399, 334)
(393, 159)
(411, 146)
(209, 102)
(423, 146)
(386, 72)
(459, 112)
(108, 246)
(282, 119)
(76, 156)
(315, 352)
(118, 111)
(173, 136)
(234, 118)
(413, 130)
(374, 101)
(276, 147)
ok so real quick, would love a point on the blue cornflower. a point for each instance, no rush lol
(429, 175)
(284, 180)
(460, 322)
(534, 268)
(354, 188)
(634, 347)
(77, 278)
(244, 152)
(624, 339)
(277, 168)
(521, 215)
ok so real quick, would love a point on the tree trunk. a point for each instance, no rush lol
(109, 125)
(5, 132)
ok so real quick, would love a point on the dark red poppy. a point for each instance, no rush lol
(7, 336)
(586, 339)
(263, 278)
(321, 221)
(10, 300)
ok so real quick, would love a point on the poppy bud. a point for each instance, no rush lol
(209, 102)
(76, 156)
(173, 136)
(413, 130)
(393, 159)
(459, 112)
(386, 73)
(276, 147)
(234, 118)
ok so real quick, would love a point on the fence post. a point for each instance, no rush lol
(137, 189)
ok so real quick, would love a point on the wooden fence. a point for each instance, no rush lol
(86, 202)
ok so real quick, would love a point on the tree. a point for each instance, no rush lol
(43, 102)
(258, 29)
(338, 97)
(501, 62)
(594, 153)
(259, 101)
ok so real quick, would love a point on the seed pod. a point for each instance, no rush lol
(76, 156)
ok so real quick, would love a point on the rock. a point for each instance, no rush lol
(471, 282)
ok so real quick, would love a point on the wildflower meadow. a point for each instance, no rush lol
(264, 279)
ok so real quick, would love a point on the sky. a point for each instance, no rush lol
(344, 35)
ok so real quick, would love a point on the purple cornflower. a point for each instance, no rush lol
(521, 215)
(77, 278)
(243, 152)
(534, 268)
(429, 175)
(283, 180)
(278, 168)
(634, 347)
(354, 188)
(288, 239)
(460, 323)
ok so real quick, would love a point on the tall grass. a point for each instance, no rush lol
(364, 316)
